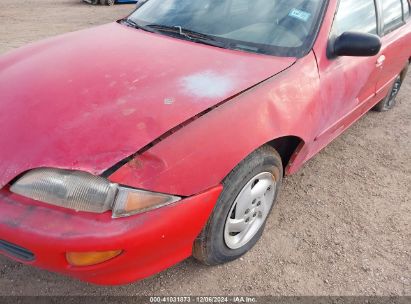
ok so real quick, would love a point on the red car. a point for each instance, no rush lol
(129, 147)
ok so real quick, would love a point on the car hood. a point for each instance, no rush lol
(88, 99)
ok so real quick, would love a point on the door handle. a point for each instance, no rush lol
(380, 61)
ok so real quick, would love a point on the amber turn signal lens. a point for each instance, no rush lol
(133, 201)
(91, 258)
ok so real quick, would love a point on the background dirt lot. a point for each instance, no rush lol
(341, 227)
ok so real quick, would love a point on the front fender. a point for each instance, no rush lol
(199, 155)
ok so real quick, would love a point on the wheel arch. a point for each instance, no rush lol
(286, 146)
(403, 73)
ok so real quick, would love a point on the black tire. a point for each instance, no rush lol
(390, 100)
(210, 247)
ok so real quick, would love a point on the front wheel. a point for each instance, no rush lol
(240, 214)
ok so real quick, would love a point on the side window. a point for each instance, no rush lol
(356, 16)
(392, 13)
(406, 6)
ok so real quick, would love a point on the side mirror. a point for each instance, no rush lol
(356, 44)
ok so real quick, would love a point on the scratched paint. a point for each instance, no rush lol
(207, 84)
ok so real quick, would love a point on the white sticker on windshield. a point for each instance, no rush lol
(301, 15)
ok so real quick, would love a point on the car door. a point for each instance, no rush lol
(347, 83)
(395, 51)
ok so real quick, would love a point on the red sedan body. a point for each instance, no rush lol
(174, 118)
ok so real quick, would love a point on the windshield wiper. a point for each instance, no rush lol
(171, 29)
(188, 34)
(134, 24)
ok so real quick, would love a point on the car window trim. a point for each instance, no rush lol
(386, 31)
(380, 18)
(403, 11)
(317, 28)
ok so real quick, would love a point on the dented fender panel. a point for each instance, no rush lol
(202, 153)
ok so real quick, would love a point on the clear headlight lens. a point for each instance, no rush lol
(131, 201)
(82, 191)
(69, 189)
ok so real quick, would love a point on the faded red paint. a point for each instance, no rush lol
(81, 101)
(67, 105)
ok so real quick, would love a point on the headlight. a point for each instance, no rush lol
(82, 191)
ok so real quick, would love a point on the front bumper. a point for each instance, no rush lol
(151, 242)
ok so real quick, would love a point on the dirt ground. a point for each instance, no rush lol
(341, 227)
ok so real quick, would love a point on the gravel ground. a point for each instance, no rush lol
(341, 227)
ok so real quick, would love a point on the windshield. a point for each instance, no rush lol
(276, 27)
